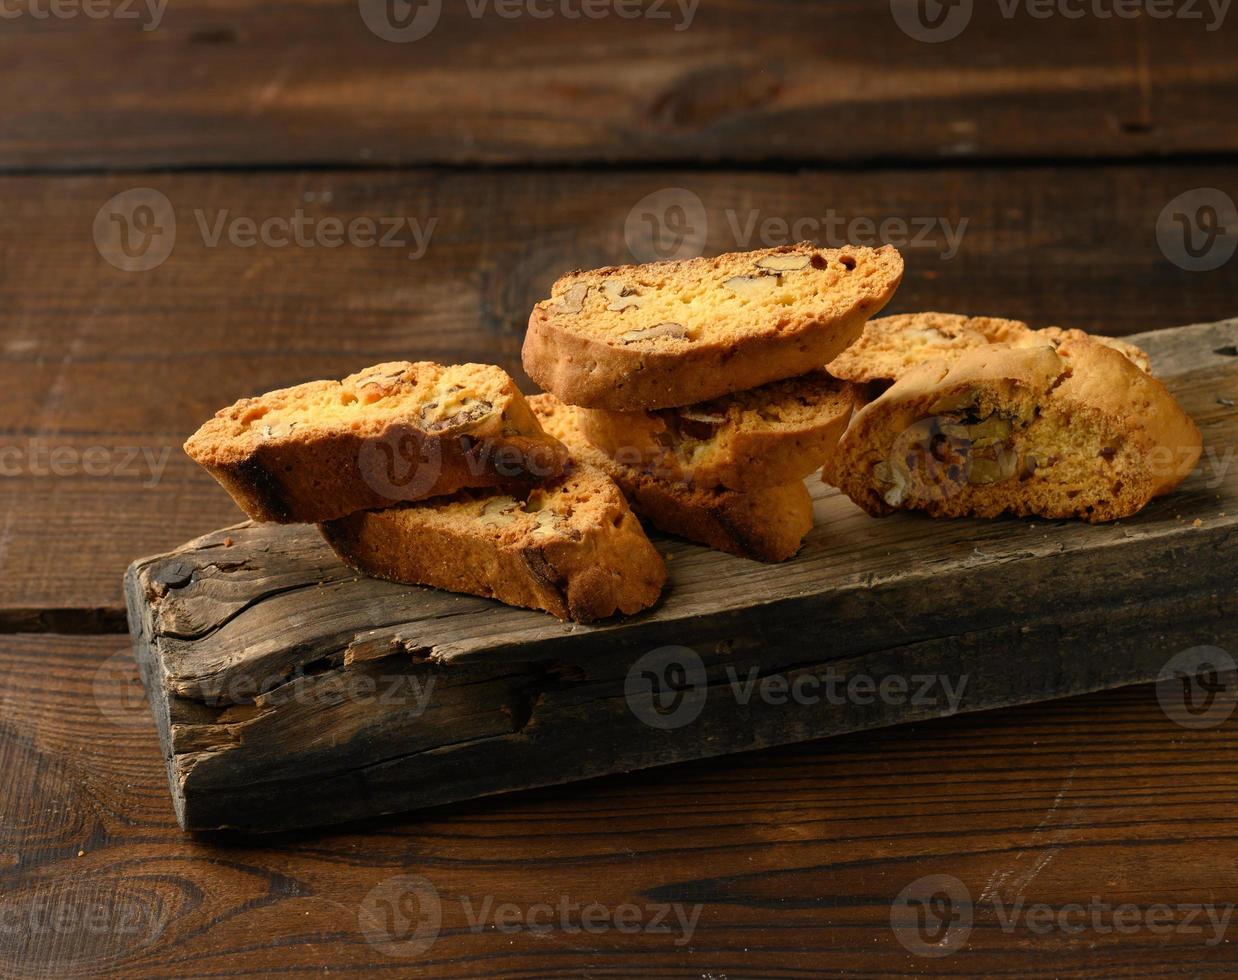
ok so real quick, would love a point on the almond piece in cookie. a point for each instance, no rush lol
(763, 437)
(1072, 431)
(667, 334)
(394, 432)
(571, 547)
(766, 525)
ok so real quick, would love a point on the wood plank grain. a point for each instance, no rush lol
(124, 365)
(210, 82)
(292, 692)
(793, 856)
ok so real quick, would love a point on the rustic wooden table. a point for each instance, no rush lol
(206, 200)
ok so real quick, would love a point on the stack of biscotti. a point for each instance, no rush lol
(437, 475)
(977, 416)
(698, 385)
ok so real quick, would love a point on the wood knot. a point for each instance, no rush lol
(704, 97)
(174, 574)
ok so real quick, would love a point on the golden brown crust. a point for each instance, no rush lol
(1056, 335)
(891, 346)
(572, 547)
(395, 432)
(776, 434)
(1072, 431)
(628, 338)
(765, 525)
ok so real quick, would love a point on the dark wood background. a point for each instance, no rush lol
(529, 140)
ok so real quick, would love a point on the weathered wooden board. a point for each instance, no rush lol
(290, 692)
(215, 82)
(127, 364)
(794, 855)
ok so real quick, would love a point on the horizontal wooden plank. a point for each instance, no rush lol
(124, 365)
(793, 856)
(291, 691)
(210, 82)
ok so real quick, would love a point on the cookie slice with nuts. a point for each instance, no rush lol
(395, 432)
(766, 525)
(1075, 430)
(775, 434)
(890, 346)
(667, 334)
(571, 547)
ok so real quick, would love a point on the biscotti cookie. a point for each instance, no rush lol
(1056, 335)
(394, 432)
(636, 337)
(763, 437)
(571, 547)
(766, 525)
(1072, 431)
(890, 346)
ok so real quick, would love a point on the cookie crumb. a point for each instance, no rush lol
(227, 542)
(1197, 523)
